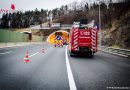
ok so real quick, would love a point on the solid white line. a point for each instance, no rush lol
(33, 54)
(70, 75)
(6, 52)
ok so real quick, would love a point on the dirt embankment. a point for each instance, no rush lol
(119, 34)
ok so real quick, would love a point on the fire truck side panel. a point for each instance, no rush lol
(73, 36)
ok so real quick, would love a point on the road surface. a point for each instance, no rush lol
(56, 70)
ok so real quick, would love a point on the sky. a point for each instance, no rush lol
(32, 4)
(25, 5)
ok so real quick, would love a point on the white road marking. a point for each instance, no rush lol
(70, 75)
(6, 52)
(33, 54)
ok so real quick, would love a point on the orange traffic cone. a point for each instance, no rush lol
(26, 59)
(42, 50)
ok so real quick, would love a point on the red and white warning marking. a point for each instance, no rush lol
(94, 32)
(75, 38)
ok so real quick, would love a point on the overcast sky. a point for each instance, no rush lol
(25, 5)
(32, 4)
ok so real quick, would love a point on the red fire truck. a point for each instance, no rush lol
(83, 40)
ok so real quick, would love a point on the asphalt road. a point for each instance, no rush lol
(51, 70)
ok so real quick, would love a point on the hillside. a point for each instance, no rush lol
(119, 34)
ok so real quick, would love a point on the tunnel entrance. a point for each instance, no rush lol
(64, 34)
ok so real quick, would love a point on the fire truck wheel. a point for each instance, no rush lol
(91, 54)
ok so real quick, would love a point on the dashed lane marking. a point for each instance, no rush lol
(34, 54)
(6, 52)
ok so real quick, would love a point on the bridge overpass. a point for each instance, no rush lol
(63, 26)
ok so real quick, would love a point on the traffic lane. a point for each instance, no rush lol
(102, 71)
(14, 72)
(2, 50)
(17, 55)
(52, 74)
(46, 71)
(22, 50)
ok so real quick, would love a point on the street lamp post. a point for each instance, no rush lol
(100, 33)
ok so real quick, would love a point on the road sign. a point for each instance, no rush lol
(58, 37)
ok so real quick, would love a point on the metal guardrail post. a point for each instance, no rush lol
(129, 56)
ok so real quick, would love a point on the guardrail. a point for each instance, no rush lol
(62, 26)
(117, 51)
(66, 25)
